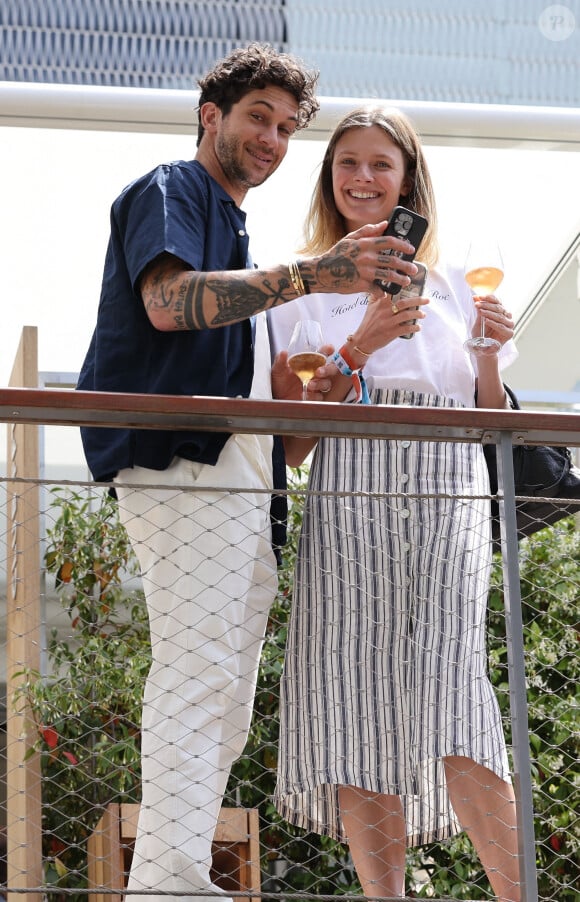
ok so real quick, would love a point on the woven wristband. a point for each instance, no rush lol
(344, 365)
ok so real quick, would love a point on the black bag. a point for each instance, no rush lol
(542, 471)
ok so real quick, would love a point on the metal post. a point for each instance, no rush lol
(516, 668)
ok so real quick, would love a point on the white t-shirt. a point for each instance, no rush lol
(433, 361)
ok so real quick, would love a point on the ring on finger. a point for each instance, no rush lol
(395, 309)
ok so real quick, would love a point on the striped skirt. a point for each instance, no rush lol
(385, 672)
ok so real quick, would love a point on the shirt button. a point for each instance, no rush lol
(406, 546)
(405, 512)
(405, 444)
(241, 233)
(404, 478)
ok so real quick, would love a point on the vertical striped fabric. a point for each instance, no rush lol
(386, 670)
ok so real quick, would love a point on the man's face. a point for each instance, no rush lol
(250, 142)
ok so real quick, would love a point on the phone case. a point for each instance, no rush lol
(404, 224)
(415, 289)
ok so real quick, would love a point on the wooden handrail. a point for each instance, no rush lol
(75, 408)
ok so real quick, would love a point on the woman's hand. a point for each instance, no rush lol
(324, 379)
(286, 385)
(386, 317)
(499, 323)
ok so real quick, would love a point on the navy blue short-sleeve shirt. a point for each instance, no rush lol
(178, 209)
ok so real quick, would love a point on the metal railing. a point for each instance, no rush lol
(548, 843)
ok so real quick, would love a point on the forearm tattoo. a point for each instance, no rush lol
(191, 301)
(237, 299)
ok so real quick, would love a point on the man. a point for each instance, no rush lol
(176, 316)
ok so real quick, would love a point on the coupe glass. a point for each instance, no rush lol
(304, 355)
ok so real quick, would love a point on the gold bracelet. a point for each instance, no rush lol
(356, 348)
(296, 278)
(304, 284)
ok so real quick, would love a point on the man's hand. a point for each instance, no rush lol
(358, 261)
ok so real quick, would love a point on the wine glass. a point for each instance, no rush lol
(483, 273)
(304, 356)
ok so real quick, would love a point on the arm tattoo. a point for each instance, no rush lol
(187, 299)
(193, 304)
(166, 291)
(237, 300)
(165, 299)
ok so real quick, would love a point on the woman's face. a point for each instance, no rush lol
(368, 176)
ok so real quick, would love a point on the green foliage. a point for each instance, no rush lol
(88, 711)
(550, 589)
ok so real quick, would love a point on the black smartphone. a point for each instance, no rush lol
(403, 224)
(414, 290)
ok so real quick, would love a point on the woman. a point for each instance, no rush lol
(390, 732)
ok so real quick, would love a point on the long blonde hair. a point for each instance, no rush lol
(324, 224)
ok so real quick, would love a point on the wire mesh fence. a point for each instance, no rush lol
(75, 697)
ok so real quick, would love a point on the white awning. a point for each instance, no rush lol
(173, 111)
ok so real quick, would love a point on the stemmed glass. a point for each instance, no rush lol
(304, 355)
(483, 273)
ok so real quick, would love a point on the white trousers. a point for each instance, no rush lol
(209, 576)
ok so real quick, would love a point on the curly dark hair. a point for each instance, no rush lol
(258, 66)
